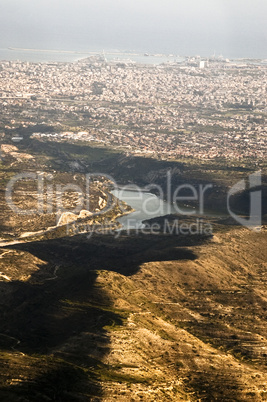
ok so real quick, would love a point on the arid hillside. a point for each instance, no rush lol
(126, 316)
(154, 318)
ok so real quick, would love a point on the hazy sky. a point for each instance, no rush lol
(173, 26)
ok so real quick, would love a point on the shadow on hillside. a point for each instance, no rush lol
(60, 311)
(215, 385)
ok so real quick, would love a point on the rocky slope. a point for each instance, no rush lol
(135, 318)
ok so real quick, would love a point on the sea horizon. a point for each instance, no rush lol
(36, 55)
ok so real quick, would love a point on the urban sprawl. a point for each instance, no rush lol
(207, 110)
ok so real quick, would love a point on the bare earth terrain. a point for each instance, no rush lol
(129, 317)
(185, 322)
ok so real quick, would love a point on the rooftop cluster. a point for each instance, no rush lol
(167, 111)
